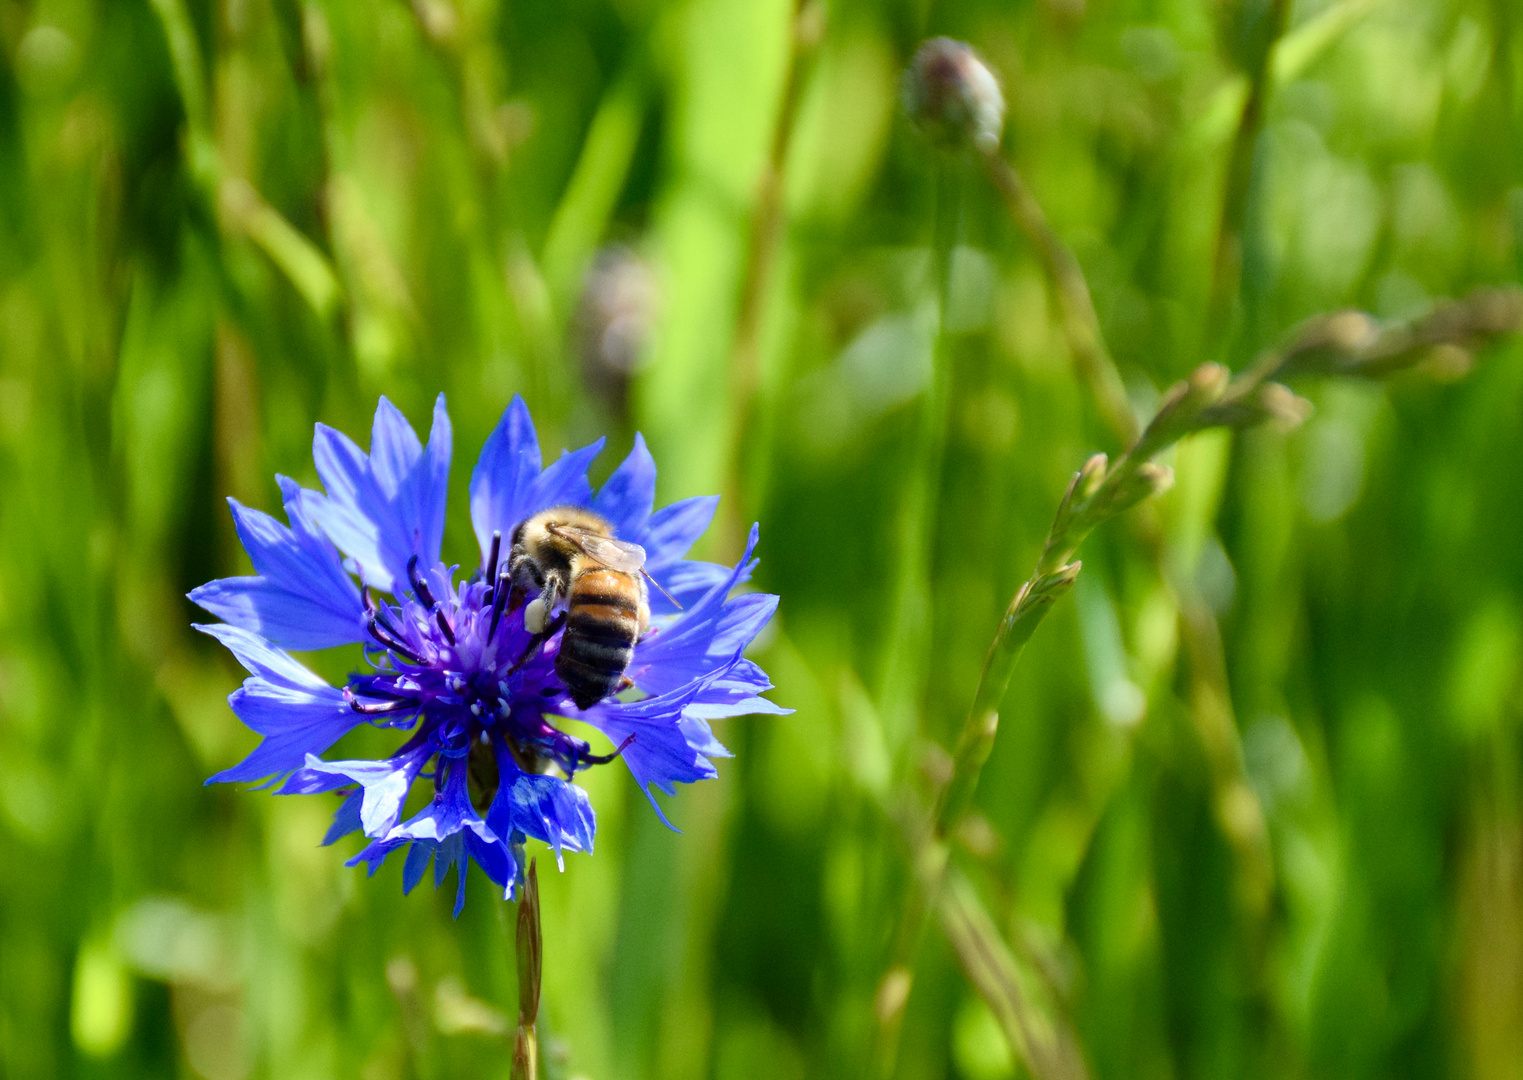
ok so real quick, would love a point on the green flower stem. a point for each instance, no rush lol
(530, 949)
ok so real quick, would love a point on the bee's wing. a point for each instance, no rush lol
(614, 554)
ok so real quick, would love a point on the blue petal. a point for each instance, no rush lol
(262, 659)
(626, 497)
(660, 753)
(733, 692)
(346, 819)
(302, 598)
(725, 698)
(289, 620)
(708, 636)
(418, 855)
(748, 706)
(385, 783)
(430, 485)
(297, 712)
(452, 852)
(394, 449)
(449, 832)
(688, 581)
(564, 483)
(495, 859)
(384, 509)
(446, 853)
(545, 807)
(508, 465)
(507, 485)
(448, 813)
(374, 854)
(674, 529)
(461, 848)
(343, 515)
(698, 735)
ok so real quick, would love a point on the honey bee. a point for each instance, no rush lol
(569, 553)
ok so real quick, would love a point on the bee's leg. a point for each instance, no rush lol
(604, 759)
(539, 608)
(625, 683)
(546, 631)
(508, 595)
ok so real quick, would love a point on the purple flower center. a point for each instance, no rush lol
(461, 660)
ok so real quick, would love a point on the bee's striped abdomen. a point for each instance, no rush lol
(603, 623)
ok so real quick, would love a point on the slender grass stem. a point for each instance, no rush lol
(1348, 344)
(1042, 1038)
(766, 236)
(904, 674)
(1227, 262)
(1080, 326)
(902, 690)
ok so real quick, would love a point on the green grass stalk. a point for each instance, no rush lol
(1347, 344)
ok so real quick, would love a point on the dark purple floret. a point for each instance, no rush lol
(451, 661)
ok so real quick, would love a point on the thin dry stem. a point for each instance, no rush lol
(1080, 326)
(1042, 1038)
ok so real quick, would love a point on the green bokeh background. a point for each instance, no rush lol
(223, 220)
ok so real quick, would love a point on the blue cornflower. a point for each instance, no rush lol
(454, 664)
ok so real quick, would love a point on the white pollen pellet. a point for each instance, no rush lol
(534, 616)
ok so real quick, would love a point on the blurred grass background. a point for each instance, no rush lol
(221, 220)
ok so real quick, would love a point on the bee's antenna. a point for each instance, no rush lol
(657, 584)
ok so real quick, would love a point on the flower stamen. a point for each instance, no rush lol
(499, 600)
(390, 639)
(380, 708)
(420, 590)
(491, 573)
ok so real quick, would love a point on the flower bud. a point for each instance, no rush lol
(1183, 404)
(952, 98)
